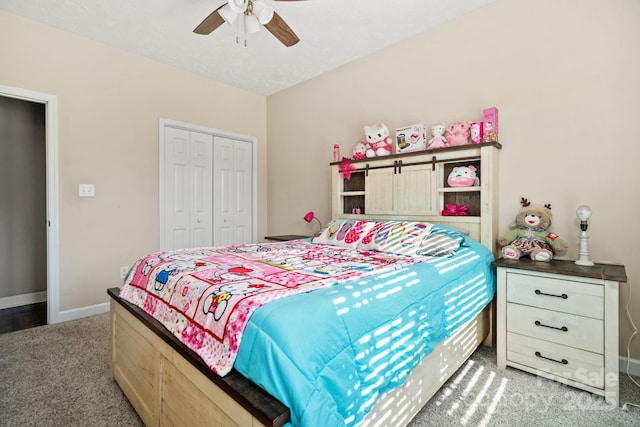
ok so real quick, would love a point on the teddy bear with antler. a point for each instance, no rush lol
(532, 235)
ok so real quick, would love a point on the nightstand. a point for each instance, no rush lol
(285, 237)
(559, 320)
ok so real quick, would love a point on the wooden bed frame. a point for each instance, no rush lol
(168, 384)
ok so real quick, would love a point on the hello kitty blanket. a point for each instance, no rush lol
(205, 296)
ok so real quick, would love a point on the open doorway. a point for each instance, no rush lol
(23, 214)
(28, 213)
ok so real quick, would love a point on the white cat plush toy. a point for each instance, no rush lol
(377, 137)
(438, 140)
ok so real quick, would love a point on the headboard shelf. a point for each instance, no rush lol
(409, 155)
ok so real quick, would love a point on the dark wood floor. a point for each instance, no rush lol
(23, 317)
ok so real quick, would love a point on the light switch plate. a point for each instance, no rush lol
(86, 190)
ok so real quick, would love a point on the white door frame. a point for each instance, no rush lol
(51, 131)
(163, 123)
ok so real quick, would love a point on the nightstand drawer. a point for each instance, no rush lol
(575, 331)
(579, 298)
(566, 362)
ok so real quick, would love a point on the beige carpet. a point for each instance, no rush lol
(58, 375)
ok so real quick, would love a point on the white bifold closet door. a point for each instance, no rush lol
(208, 190)
(188, 201)
(232, 191)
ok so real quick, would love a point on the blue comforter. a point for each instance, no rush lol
(329, 354)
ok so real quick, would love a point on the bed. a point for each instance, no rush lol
(338, 326)
(301, 305)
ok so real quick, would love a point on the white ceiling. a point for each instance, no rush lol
(331, 32)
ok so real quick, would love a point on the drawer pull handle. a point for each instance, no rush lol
(563, 296)
(564, 328)
(563, 361)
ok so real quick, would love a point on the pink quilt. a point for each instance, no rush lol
(205, 296)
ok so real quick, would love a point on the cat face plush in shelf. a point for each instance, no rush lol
(463, 176)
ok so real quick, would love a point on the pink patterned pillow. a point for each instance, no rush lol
(343, 232)
(396, 236)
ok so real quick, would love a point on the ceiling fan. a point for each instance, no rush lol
(254, 15)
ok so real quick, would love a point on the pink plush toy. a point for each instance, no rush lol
(438, 140)
(463, 176)
(458, 134)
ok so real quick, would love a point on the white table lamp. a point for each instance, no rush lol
(584, 213)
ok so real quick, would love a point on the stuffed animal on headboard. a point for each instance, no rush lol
(377, 137)
(360, 151)
(438, 140)
(458, 134)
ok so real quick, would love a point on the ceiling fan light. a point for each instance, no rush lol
(228, 14)
(265, 15)
(251, 24)
(238, 6)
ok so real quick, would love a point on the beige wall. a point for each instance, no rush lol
(564, 75)
(109, 105)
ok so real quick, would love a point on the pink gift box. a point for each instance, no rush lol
(490, 125)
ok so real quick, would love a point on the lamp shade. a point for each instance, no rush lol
(309, 216)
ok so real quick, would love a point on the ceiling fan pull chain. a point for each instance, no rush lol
(237, 31)
(244, 27)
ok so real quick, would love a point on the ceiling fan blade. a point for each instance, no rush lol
(210, 23)
(281, 30)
